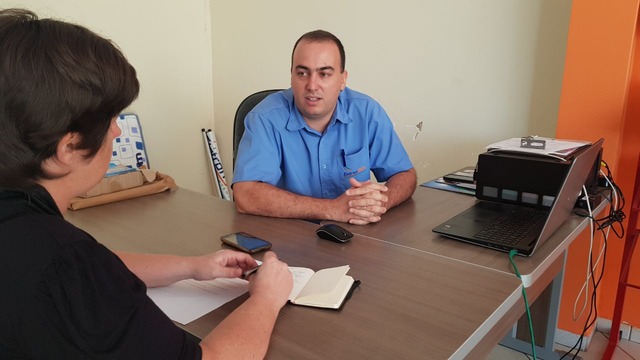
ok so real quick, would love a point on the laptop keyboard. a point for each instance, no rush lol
(512, 228)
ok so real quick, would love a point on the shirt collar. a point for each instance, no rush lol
(341, 113)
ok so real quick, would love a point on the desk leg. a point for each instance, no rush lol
(546, 306)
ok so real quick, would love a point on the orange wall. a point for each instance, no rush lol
(601, 98)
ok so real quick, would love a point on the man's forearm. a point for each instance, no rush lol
(401, 186)
(263, 199)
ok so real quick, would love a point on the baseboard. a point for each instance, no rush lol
(603, 325)
(569, 339)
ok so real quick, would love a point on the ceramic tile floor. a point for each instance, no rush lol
(626, 350)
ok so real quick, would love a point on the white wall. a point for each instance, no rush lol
(473, 72)
(169, 44)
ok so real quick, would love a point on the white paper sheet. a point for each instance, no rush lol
(555, 148)
(300, 278)
(188, 300)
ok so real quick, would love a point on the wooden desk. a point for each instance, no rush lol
(411, 304)
(409, 225)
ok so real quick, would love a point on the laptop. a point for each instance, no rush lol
(505, 227)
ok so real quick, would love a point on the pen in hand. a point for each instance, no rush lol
(245, 275)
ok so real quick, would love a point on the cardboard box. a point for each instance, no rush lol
(115, 183)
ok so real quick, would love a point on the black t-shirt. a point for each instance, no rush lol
(65, 296)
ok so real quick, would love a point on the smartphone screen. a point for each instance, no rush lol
(245, 242)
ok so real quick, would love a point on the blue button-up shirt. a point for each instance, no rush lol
(280, 149)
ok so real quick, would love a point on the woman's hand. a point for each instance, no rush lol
(273, 282)
(221, 264)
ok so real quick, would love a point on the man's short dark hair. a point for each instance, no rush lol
(55, 78)
(321, 36)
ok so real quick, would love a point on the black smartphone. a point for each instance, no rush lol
(245, 242)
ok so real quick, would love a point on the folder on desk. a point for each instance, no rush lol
(504, 226)
(441, 184)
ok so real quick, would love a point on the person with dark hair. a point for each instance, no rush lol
(307, 152)
(64, 295)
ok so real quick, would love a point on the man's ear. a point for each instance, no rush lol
(344, 74)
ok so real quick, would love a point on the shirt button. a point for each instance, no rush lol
(324, 166)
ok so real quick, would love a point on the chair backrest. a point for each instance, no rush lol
(243, 109)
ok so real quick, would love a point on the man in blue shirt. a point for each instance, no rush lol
(307, 152)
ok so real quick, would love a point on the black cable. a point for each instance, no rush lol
(616, 215)
(593, 309)
(588, 322)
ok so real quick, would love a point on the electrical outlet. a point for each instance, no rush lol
(625, 331)
(604, 325)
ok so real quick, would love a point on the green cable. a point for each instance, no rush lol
(512, 253)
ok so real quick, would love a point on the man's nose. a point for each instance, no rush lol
(312, 83)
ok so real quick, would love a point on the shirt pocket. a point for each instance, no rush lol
(356, 164)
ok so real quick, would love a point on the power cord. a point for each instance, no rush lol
(585, 285)
(513, 253)
(615, 216)
(593, 309)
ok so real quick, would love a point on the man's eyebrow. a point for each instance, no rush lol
(324, 68)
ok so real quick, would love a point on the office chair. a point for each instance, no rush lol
(243, 109)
